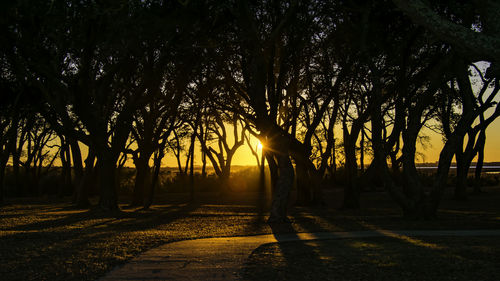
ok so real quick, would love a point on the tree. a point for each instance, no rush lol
(222, 156)
(460, 91)
(93, 86)
(269, 40)
(483, 45)
(8, 124)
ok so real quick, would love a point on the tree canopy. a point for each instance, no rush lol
(320, 83)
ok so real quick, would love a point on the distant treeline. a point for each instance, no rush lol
(454, 164)
(324, 85)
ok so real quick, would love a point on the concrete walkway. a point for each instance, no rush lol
(222, 258)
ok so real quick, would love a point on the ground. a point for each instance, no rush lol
(429, 258)
(45, 239)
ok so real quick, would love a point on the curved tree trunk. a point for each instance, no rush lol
(262, 184)
(64, 154)
(304, 194)
(480, 161)
(77, 160)
(414, 203)
(142, 179)
(191, 171)
(461, 182)
(150, 193)
(273, 170)
(83, 187)
(464, 160)
(370, 179)
(77, 165)
(351, 189)
(3, 163)
(284, 184)
(107, 181)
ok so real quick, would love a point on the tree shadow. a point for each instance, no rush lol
(390, 256)
(50, 243)
(284, 233)
(95, 213)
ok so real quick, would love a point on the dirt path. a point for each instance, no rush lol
(222, 258)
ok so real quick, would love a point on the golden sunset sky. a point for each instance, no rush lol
(431, 152)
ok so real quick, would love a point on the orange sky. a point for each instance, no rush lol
(244, 157)
(492, 150)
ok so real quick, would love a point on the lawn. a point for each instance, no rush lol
(429, 258)
(50, 240)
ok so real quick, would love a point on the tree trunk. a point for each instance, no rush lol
(362, 151)
(284, 184)
(370, 180)
(77, 161)
(415, 205)
(262, 183)
(191, 171)
(395, 168)
(461, 179)
(480, 161)
(445, 158)
(351, 190)
(464, 160)
(412, 185)
(107, 181)
(333, 166)
(83, 187)
(461, 184)
(262, 174)
(15, 169)
(148, 200)
(304, 196)
(273, 170)
(316, 177)
(4, 158)
(65, 157)
(203, 164)
(3, 163)
(142, 179)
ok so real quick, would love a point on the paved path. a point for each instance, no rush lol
(222, 258)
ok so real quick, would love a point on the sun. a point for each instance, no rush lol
(259, 146)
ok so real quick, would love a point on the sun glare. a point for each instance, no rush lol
(259, 145)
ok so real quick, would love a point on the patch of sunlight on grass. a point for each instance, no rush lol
(465, 212)
(279, 254)
(61, 212)
(317, 250)
(372, 254)
(324, 223)
(365, 245)
(100, 226)
(5, 233)
(149, 233)
(413, 241)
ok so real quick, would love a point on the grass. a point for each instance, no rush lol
(431, 258)
(50, 240)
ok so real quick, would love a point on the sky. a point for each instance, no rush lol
(491, 150)
(244, 157)
(430, 153)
